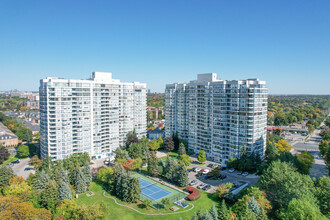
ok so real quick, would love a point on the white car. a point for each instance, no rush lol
(198, 169)
(206, 171)
(245, 174)
(231, 170)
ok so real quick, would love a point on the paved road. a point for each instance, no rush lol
(19, 168)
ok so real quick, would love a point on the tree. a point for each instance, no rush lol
(223, 189)
(153, 145)
(271, 152)
(182, 149)
(166, 202)
(201, 156)
(104, 174)
(283, 146)
(160, 142)
(232, 163)
(176, 140)
(134, 190)
(135, 150)
(6, 173)
(302, 208)
(79, 181)
(4, 154)
(169, 144)
(23, 151)
(153, 165)
(64, 176)
(42, 180)
(145, 152)
(131, 138)
(322, 194)
(223, 212)
(185, 159)
(182, 178)
(18, 187)
(35, 161)
(214, 212)
(64, 191)
(305, 162)
(12, 208)
(49, 196)
(282, 183)
(147, 202)
(87, 173)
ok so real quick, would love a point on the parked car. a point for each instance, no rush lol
(222, 177)
(201, 171)
(197, 169)
(207, 187)
(245, 173)
(15, 161)
(193, 182)
(200, 186)
(206, 171)
(239, 173)
(231, 170)
(28, 168)
(212, 165)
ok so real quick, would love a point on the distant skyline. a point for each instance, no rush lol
(285, 43)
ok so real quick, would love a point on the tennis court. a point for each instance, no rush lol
(152, 191)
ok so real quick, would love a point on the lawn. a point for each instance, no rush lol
(114, 211)
(10, 159)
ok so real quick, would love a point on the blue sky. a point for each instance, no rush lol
(286, 43)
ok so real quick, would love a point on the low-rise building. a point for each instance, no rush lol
(156, 133)
(7, 138)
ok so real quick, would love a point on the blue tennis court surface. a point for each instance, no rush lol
(152, 191)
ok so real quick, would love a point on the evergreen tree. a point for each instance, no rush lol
(223, 212)
(41, 180)
(254, 206)
(134, 190)
(87, 172)
(125, 184)
(182, 149)
(246, 213)
(79, 181)
(56, 176)
(214, 212)
(6, 173)
(153, 165)
(145, 152)
(176, 140)
(195, 217)
(64, 176)
(64, 191)
(169, 144)
(49, 196)
(207, 216)
(199, 214)
(182, 178)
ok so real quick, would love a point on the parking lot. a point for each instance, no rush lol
(20, 168)
(231, 177)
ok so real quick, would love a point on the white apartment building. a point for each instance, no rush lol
(218, 116)
(92, 115)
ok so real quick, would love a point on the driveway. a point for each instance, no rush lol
(231, 177)
(19, 168)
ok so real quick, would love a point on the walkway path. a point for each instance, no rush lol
(142, 213)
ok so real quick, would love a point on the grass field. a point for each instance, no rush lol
(114, 211)
(10, 159)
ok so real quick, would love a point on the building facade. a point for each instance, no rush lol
(92, 115)
(218, 116)
(7, 138)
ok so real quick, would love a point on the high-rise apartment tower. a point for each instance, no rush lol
(218, 116)
(92, 115)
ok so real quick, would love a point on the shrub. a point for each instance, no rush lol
(194, 193)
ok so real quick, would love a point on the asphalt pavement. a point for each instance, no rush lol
(19, 168)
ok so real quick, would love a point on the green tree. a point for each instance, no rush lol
(305, 162)
(23, 151)
(4, 153)
(322, 193)
(153, 165)
(233, 163)
(64, 176)
(42, 180)
(79, 181)
(182, 149)
(201, 156)
(134, 190)
(160, 142)
(182, 178)
(223, 212)
(271, 152)
(153, 145)
(302, 208)
(214, 212)
(87, 173)
(6, 173)
(104, 174)
(49, 196)
(145, 152)
(64, 191)
(169, 144)
(282, 183)
(185, 159)
(176, 140)
(147, 203)
(166, 202)
(135, 150)
(131, 138)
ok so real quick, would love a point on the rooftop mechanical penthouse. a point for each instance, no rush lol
(219, 116)
(92, 115)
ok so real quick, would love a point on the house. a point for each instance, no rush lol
(156, 133)
(7, 138)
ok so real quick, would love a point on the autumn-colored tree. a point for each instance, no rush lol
(223, 189)
(17, 186)
(35, 161)
(153, 145)
(11, 208)
(283, 146)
